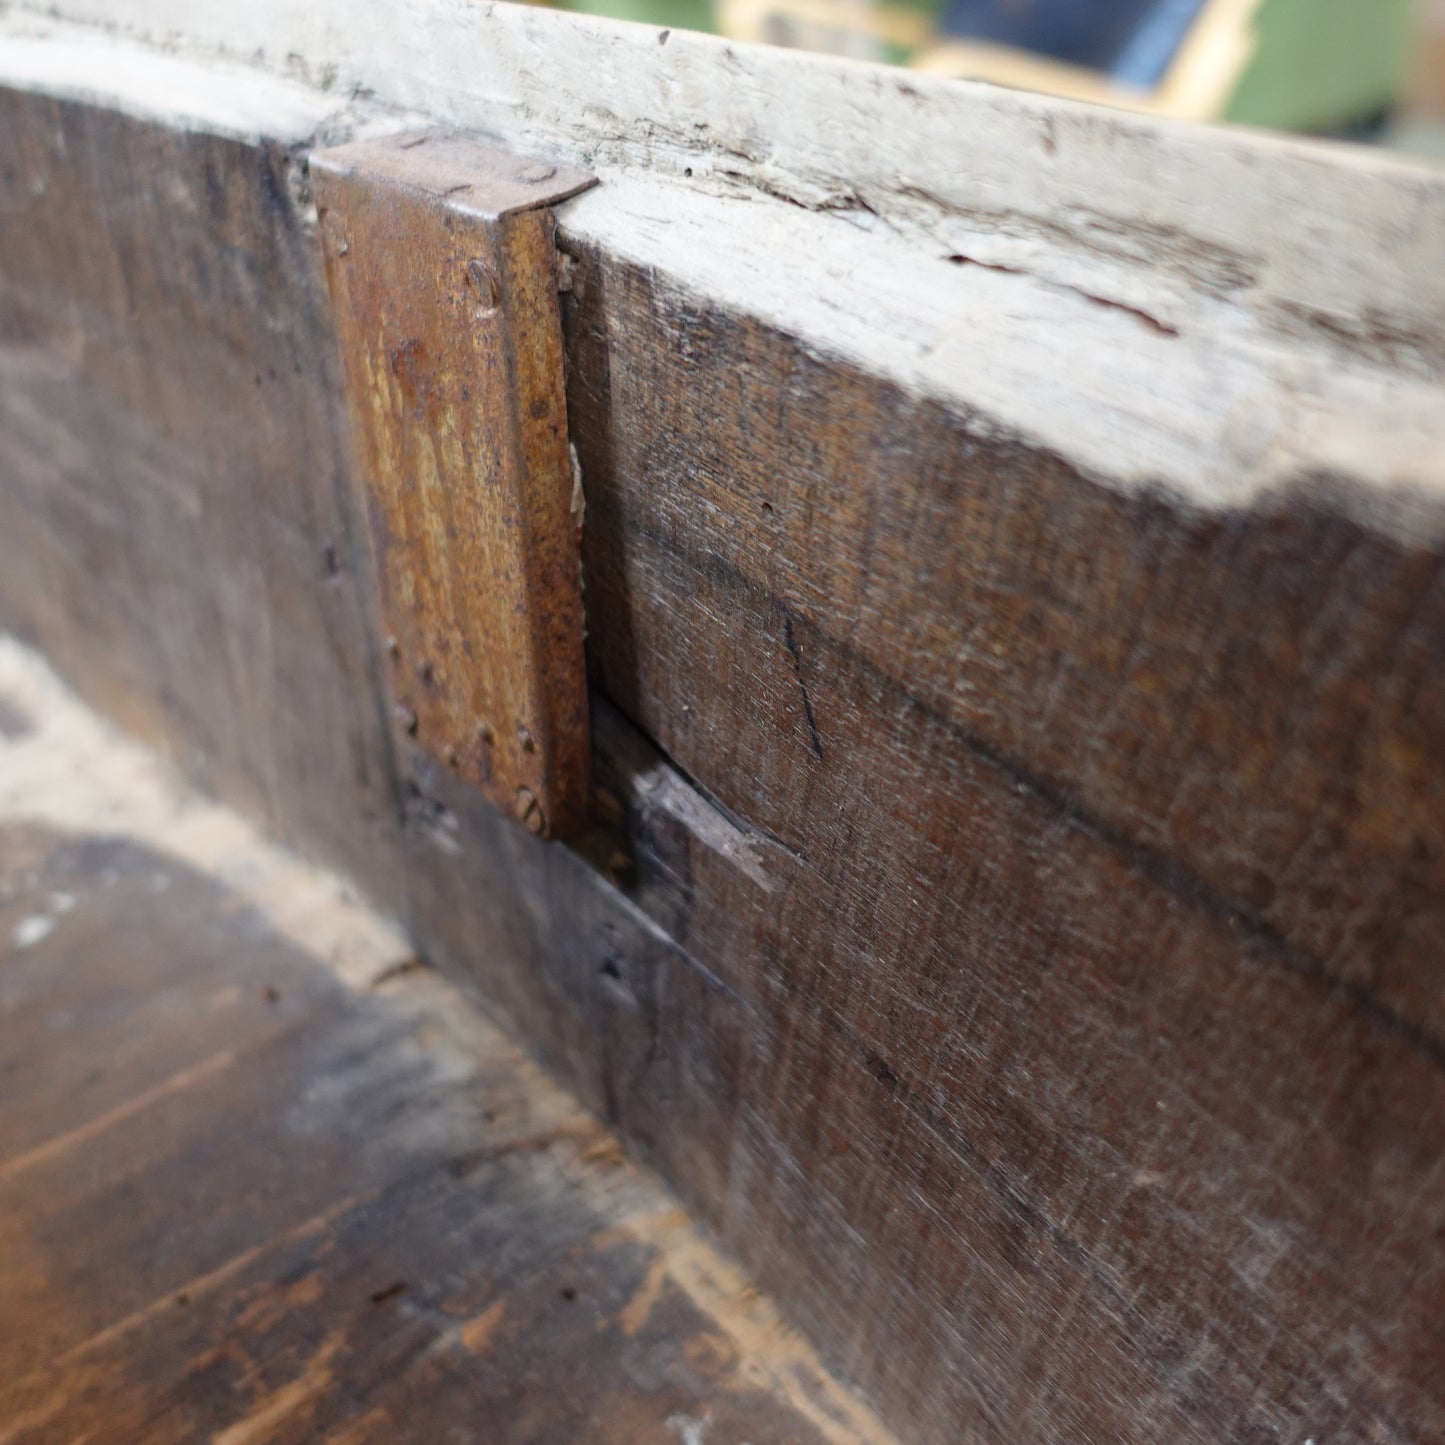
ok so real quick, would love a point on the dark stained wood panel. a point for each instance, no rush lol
(173, 477)
(1102, 939)
(1245, 704)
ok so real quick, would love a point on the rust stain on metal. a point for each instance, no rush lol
(443, 272)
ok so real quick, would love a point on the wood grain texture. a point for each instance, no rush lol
(174, 476)
(251, 1195)
(443, 273)
(408, 1234)
(1243, 705)
(1076, 806)
(1130, 209)
(1012, 914)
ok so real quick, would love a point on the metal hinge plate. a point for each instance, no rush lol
(442, 266)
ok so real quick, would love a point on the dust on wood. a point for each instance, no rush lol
(232, 1206)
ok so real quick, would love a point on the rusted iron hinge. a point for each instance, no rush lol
(443, 273)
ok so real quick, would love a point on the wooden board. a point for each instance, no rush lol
(1067, 1075)
(248, 1196)
(1129, 208)
(1103, 998)
(205, 591)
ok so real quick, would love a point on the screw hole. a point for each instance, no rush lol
(484, 285)
(529, 812)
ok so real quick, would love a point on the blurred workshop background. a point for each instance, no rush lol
(1370, 70)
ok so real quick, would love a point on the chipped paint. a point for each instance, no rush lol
(32, 930)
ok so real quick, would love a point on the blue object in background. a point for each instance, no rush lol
(1132, 41)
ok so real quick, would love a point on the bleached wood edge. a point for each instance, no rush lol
(1210, 312)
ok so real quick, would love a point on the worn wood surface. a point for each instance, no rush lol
(1068, 1075)
(247, 1194)
(1129, 209)
(204, 591)
(1103, 903)
(443, 273)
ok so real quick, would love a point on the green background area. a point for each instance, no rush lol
(1321, 65)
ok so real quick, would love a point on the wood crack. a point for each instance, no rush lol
(1171, 875)
(796, 653)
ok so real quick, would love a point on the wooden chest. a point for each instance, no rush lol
(1002, 880)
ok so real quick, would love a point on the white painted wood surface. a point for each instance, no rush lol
(1210, 311)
